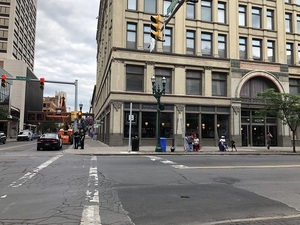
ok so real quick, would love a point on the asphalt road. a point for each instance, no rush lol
(50, 187)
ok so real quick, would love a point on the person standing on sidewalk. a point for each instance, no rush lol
(76, 139)
(82, 137)
(268, 139)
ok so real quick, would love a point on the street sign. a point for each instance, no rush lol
(22, 78)
(172, 6)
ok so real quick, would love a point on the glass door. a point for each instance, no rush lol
(258, 135)
(245, 135)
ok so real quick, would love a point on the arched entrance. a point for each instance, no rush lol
(254, 129)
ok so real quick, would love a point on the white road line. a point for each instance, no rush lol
(251, 220)
(168, 162)
(29, 175)
(90, 214)
(154, 158)
(241, 167)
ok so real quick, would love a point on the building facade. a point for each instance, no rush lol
(216, 56)
(17, 46)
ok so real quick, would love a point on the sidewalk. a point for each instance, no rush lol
(98, 148)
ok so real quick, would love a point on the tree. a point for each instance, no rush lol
(284, 106)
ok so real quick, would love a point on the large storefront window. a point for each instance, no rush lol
(144, 121)
(166, 125)
(223, 125)
(208, 125)
(148, 125)
(192, 121)
(134, 124)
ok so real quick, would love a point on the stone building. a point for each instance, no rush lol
(216, 56)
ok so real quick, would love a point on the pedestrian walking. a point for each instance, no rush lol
(233, 145)
(82, 137)
(269, 139)
(76, 139)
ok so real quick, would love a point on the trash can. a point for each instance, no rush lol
(135, 144)
(163, 144)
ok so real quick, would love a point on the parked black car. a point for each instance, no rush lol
(49, 141)
(2, 137)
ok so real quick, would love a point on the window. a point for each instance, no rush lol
(193, 82)
(150, 6)
(256, 18)
(148, 124)
(206, 10)
(222, 46)
(298, 24)
(219, 86)
(299, 53)
(208, 125)
(223, 125)
(166, 128)
(256, 49)
(167, 44)
(131, 5)
(289, 53)
(270, 19)
(167, 73)
(190, 10)
(167, 3)
(288, 22)
(294, 86)
(134, 78)
(190, 42)
(243, 48)
(131, 36)
(287, 1)
(147, 31)
(221, 12)
(271, 51)
(242, 15)
(206, 44)
(192, 123)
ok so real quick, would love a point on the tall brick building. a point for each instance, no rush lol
(216, 57)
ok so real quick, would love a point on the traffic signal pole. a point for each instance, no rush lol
(158, 26)
(174, 11)
(20, 78)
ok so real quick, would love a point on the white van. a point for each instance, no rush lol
(25, 135)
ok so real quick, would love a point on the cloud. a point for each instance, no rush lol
(66, 47)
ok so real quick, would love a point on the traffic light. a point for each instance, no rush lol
(79, 115)
(3, 80)
(42, 83)
(156, 26)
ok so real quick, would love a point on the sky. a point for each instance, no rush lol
(65, 48)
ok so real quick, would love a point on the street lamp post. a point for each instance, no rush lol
(157, 93)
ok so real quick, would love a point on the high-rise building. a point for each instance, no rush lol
(17, 45)
(17, 30)
(215, 58)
